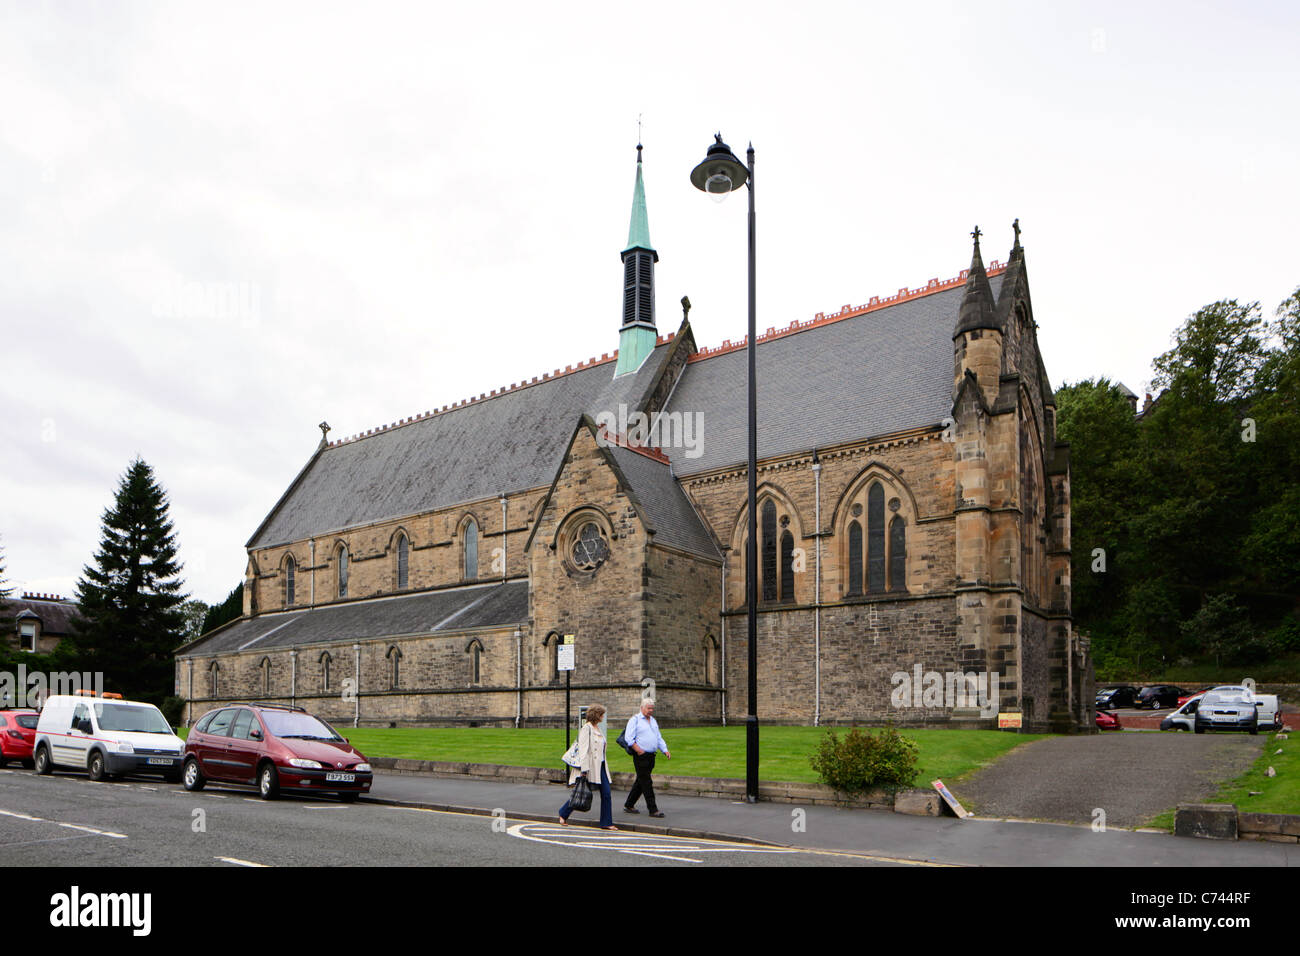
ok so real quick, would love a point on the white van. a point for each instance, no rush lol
(106, 736)
(1267, 705)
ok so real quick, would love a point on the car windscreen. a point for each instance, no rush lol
(286, 723)
(134, 718)
(1214, 700)
(28, 720)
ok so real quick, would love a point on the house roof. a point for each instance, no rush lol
(875, 371)
(872, 370)
(668, 512)
(430, 612)
(505, 442)
(55, 614)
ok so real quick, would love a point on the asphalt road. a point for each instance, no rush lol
(67, 820)
(1133, 777)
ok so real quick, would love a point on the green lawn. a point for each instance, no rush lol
(1277, 794)
(697, 751)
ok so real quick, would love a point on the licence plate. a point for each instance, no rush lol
(340, 777)
(161, 761)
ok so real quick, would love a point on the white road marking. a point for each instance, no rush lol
(235, 862)
(107, 833)
(70, 826)
(327, 807)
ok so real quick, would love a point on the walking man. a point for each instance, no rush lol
(643, 737)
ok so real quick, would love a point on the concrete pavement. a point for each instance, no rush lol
(971, 842)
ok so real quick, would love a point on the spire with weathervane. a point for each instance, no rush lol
(637, 336)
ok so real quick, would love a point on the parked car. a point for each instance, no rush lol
(1184, 718)
(17, 734)
(1106, 721)
(1229, 708)
(1188, 696)
(1156, 696)
(274, 748)
(106, 736)
(1121, 695)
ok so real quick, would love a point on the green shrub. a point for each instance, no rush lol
(173, 710)
(863, 760)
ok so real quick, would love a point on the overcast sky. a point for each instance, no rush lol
(391, 207)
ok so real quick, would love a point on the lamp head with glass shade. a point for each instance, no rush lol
(721, 173)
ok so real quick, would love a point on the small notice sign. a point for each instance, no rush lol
(564, 653)
(949, 799)
(1011, 721)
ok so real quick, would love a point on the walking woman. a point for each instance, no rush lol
(591, 755)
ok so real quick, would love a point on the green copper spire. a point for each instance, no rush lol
(638, 230)
(637, 335)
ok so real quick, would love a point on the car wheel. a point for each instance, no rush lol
(192, 776)
(42, 760)
(349, 796)
(95, 766)
(268, 782)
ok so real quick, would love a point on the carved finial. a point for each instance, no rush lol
(1016, 228)
(686, 308)
(717, 138)
(976, 235)
(324, 432)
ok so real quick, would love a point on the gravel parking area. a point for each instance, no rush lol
(1134, 777)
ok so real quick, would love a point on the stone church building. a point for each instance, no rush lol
(914, 518)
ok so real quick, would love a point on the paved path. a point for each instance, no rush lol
(879, 835)
(1132, 776)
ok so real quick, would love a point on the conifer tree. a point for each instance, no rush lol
(131, 615)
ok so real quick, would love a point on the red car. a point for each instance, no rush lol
(1107, 721)
(17, 734)
(273, 747)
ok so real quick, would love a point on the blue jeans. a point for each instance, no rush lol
(606, 801)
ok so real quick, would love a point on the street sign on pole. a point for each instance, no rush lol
(564, 661)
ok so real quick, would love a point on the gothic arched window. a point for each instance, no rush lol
(897, 554)
(855, 558)
(403, 548)
(875, 538)
(767, 539)
(395, 656)
(212, 679)
(290, 572)
(471, 550)
(325, 662)
(787, 566)
(341, 562)
(266, 676)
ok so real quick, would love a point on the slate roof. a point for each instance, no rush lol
(872, 374)
(431, 612)
(882, 371)
(55, 615)
(506, 443)
(670, 514)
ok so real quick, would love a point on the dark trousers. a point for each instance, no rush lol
(645, 765)
(606, 801)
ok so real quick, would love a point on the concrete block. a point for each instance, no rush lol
(920, 803)
(1210, 821)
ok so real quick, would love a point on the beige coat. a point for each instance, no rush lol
(591, 752)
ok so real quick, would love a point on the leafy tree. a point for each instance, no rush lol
(131, 599)
(232, 608)
(196, 612)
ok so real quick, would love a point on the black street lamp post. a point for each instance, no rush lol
(718, 175)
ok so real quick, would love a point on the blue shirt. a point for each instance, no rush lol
(644, 732)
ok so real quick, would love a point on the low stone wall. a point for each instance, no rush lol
(917, 802)
(1273, 827)
(1223, 821)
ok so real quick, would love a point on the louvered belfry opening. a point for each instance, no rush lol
(638, 288)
